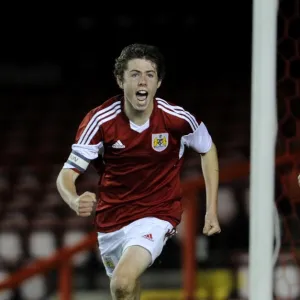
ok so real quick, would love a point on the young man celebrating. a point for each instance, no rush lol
(136, 143)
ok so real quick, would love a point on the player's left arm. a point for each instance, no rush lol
(210, 168)
(200, 141)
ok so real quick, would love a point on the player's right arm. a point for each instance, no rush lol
(88, 143)
(66, 185)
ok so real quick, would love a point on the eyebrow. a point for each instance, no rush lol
(148, 71)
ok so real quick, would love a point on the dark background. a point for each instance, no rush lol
(56, 63)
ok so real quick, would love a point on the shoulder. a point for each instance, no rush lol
(107, 111)
(103, 114)
(110, 106)
(176, 115)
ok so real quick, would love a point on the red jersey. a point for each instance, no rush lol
(139, 166)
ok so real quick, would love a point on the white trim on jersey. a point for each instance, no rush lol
(90, 152)
(97, 120)
(82, 151)
(177, 115)
(178, 112)
(116, 111)
(200, 140)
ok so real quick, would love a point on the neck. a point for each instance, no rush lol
(138, 117)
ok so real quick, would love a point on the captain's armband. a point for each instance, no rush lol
(78, 161)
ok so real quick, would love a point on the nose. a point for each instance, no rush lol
(142, 80)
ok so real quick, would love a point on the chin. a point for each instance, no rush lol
(141, 107)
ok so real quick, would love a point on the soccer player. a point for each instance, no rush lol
(136, 142)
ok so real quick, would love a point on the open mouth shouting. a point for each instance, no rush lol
(142, 95)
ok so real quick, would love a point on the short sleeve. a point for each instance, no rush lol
(193, 132)
(88, 143)
(198, 139)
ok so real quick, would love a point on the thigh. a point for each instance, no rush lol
(110, 247)
(134, 261)
(148, 233)
(143, 239)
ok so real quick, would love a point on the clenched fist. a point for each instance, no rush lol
(84, 204)
(211, 225)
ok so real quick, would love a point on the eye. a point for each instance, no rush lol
(134, 75)
(151, 75)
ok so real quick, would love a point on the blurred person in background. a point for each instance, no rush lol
(136, 142)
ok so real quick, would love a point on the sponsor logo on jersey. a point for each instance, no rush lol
(160, 141)
(118, 145)
(148, 237)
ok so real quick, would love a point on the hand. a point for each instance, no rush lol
(211, 225)
(299, 180)
(84, 204)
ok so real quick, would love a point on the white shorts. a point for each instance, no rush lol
(149, 233)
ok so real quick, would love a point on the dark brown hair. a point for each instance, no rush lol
(143, 51)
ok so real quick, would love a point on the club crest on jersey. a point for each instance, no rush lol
(160, 141)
